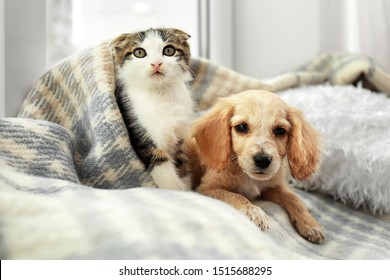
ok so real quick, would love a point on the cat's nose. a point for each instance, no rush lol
(156, 65)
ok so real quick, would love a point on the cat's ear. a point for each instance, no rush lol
(119, 46)
(120, 41)
(181, 33)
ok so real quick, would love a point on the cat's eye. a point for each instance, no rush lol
(279, 131)
(242, 128)
(139, 52)
(169, 50)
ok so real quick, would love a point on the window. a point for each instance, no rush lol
(78, 24)
(38, 34)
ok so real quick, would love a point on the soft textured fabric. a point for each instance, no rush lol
(70, 182)
(354, 124)
(44, 218)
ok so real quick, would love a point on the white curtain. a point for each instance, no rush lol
(2, 60)
(59, 30)
(358, 26)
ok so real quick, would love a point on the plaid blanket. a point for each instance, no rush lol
(336, 69)
(69, 146)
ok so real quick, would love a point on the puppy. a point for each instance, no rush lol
(247, 142)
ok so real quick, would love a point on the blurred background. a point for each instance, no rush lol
(258, 38)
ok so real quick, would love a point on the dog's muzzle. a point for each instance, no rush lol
(262, 161)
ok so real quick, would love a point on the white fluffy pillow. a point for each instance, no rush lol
(355, 126)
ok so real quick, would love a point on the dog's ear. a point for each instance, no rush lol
(213, 137)
(303, 148)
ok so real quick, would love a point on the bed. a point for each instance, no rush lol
(71, 187)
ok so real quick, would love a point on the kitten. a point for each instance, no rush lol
(153, 77)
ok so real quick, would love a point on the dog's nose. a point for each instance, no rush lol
(262, 161)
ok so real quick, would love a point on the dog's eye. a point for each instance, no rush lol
(279, 131)
(242, 128)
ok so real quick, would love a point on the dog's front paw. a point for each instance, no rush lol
(256, 215)
(311, 231)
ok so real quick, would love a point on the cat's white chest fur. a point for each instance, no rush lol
(153, 68)
(165, 115)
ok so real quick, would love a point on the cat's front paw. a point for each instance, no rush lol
(165, 177)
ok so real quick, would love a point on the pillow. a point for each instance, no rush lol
(355, 128)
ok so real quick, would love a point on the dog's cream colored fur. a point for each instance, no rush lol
(274, 130)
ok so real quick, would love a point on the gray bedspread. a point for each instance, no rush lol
(70, 184)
